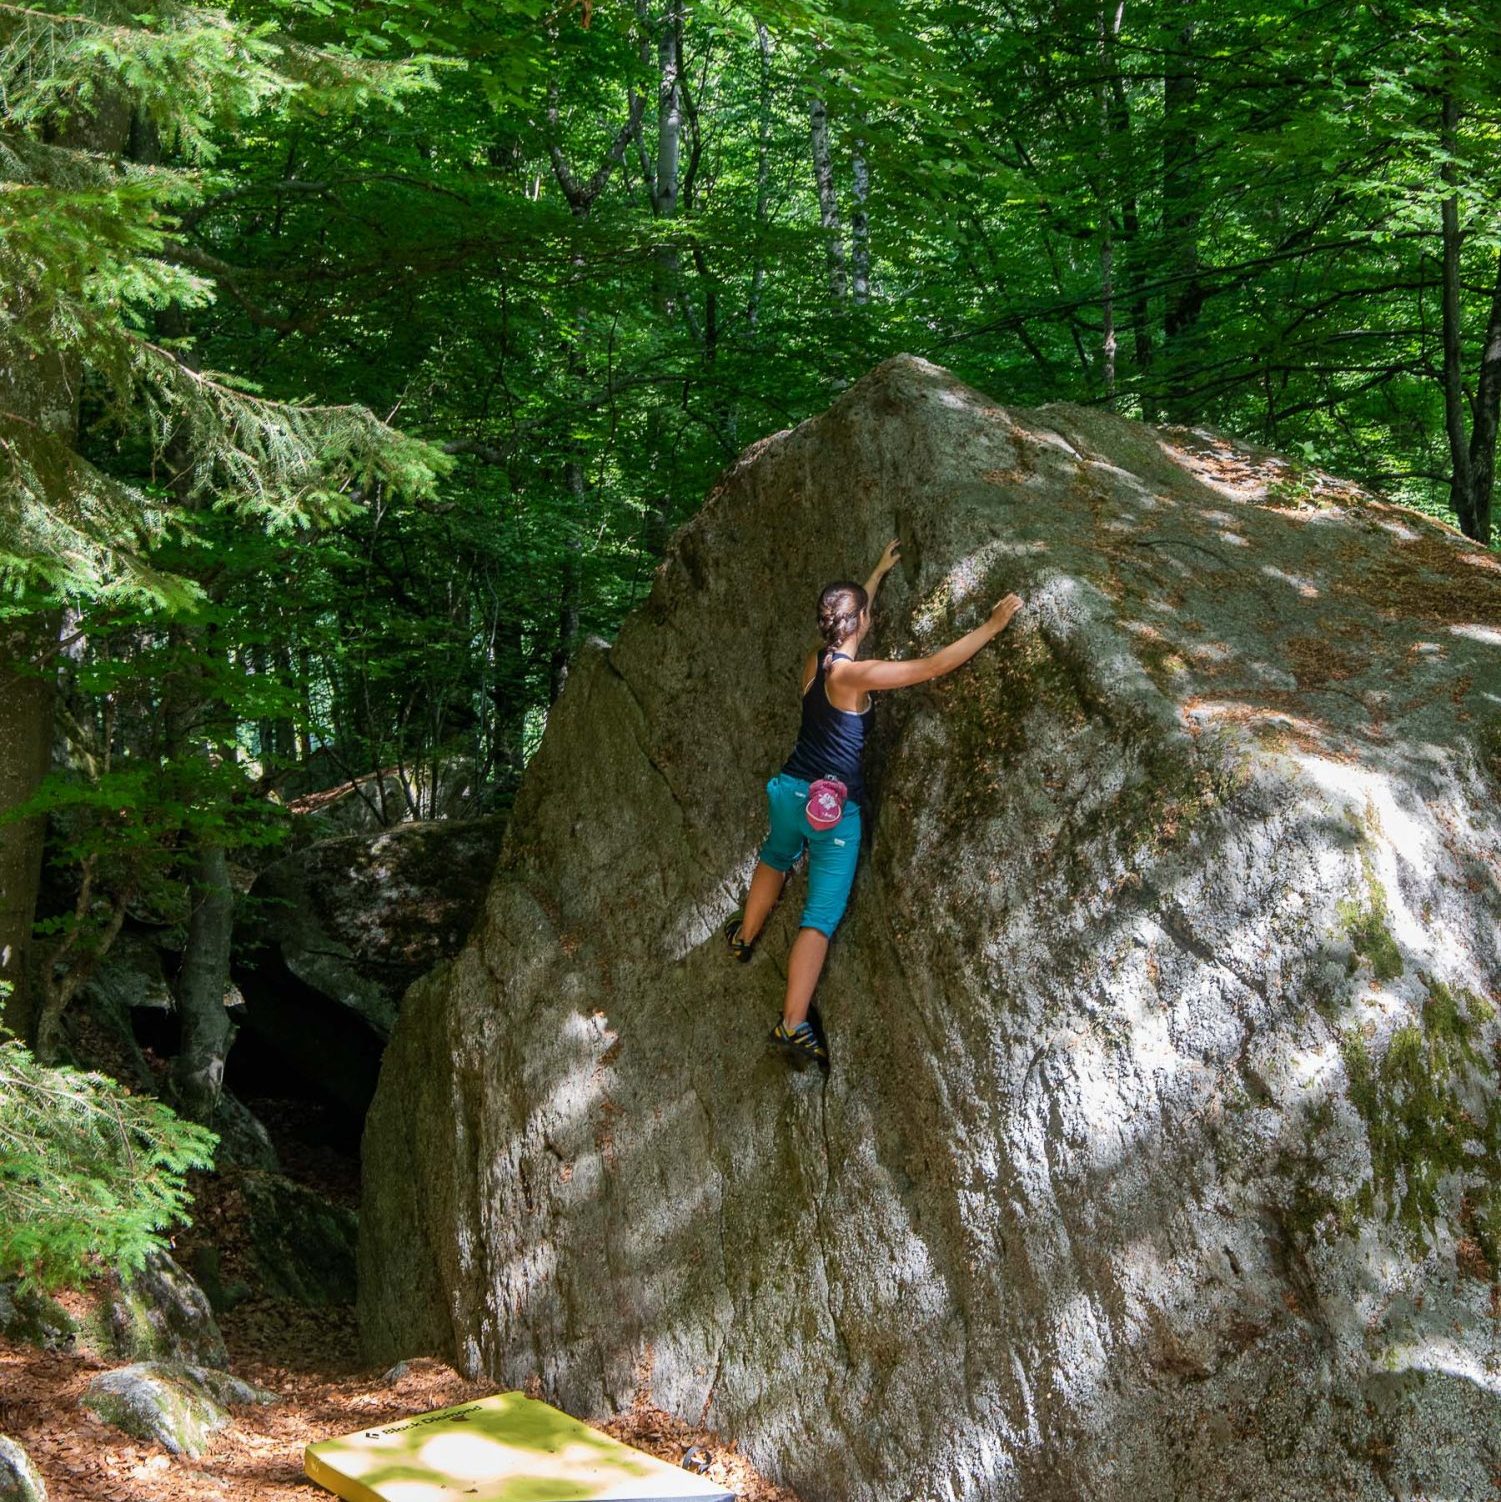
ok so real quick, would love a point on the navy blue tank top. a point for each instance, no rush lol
(830, 741)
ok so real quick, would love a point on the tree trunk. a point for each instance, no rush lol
(663, 184)
(202, 984)
(26, 702)
(568, 587)
(1107, 23)
(1134, 269)
(1482, 454)
(828, 203)
(1461, 497)
(763, 175)
(860, 226)
(669, 110)
(1180, 221)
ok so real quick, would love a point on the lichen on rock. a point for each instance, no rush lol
(176, 1405)
(1157, 1157)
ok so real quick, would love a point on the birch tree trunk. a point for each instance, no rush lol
(828, 202)
(860, 226)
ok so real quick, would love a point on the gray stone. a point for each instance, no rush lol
(243, 1140)
(34, 1319)
(1158, 1158)
(160, 1313)
(178, 1406)
(304, 1244)
(19, 1478)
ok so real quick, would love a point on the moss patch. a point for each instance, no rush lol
(1414, 1102)
(1370, 938)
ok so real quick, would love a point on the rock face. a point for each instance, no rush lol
(338, 931)
(1160, 1156)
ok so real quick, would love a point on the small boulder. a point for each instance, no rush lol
(170, 1403)
(33, 1319)
(19, 1480)
(304, 1245)
(159, 1313)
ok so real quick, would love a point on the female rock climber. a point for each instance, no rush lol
(830, 743)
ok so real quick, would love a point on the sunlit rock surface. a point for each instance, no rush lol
(1160, 1154)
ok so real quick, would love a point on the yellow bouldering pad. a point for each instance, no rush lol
(505, 1448)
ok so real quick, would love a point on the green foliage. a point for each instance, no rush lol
(90, 1175)
(90, 250)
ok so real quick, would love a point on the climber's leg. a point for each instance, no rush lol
(766, 886)
(804, 966)
(786, 798)
(832, 856)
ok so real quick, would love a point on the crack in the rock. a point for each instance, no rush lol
(724, 1255)
(818, 1218)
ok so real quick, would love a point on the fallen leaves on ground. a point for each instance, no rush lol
(309, 1357)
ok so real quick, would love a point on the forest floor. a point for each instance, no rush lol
(309, 1357)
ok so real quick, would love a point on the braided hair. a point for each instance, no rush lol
(839, 609)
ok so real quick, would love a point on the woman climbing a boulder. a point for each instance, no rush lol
(818, 798)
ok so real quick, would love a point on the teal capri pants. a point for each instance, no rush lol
(831, 852)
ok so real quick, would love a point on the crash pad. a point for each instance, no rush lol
(504, 1448)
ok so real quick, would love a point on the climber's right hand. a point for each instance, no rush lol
(1000, 617)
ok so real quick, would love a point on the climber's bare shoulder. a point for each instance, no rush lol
(810, 667)
(842, 692)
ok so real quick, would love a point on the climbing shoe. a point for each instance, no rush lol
(738, 947)
(800, 1045)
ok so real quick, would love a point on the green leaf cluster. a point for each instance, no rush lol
(91, 1177)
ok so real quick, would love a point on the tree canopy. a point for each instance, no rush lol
(359, 360)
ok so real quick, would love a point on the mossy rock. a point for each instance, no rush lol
(159, 1313)
(19, 1479)
(175, 1405)
(33, 1319)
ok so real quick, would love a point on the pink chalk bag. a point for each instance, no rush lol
(825, 803)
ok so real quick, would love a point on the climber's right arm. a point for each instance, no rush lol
(875, 676)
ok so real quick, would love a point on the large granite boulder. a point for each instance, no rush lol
(334, 934)
(1160, 1155)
